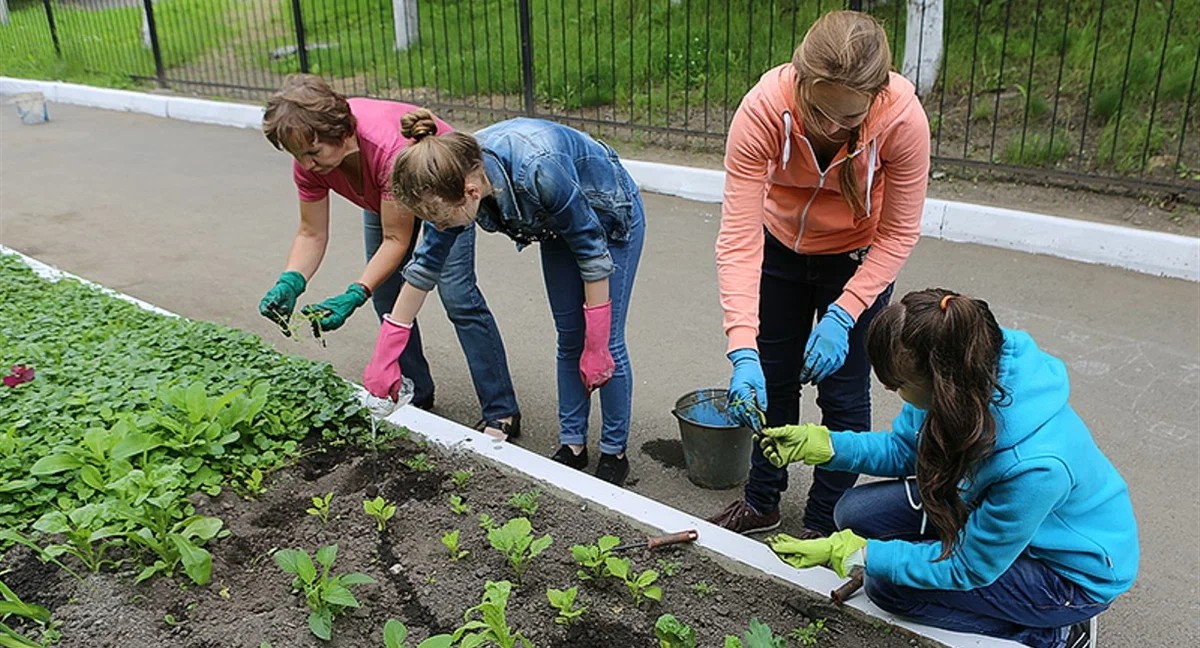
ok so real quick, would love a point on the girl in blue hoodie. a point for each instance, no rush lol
(1005, 518)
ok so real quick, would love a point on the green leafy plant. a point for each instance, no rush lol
(669, 568)
(458, 506)
(526, 501)
(703, 589)
(673, 633)
(564, 602)
(320, 507)
(326, 596)
(592, 557)
(486, 522)
(810, 634)
(419, 463)
(86, 532)
(460, 478)
(759, 636)
(394, 634)
(450, 540)
(487, 622)
(641, 586)
(381, 510)
(11, 605)
(516, 542)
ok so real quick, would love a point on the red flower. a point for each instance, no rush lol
(19, 374)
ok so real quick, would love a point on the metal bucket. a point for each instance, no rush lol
(31, 107)
(716, 449)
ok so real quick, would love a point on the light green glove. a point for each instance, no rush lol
(809, 443)
(842, 551)
(280, 300)
(333, 312)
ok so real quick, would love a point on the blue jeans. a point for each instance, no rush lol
(564, 288)
(468, 311)
(796, 289)
(1030, 603)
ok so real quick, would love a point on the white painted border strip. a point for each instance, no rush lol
(1155, 253)
(727, 545)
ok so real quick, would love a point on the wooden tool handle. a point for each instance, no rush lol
(675, 538)
(849, 588)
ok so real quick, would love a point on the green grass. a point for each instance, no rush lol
(1035, 149)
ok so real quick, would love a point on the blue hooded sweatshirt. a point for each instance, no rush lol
(1047, 491)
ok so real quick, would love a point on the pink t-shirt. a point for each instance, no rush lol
(379, 141)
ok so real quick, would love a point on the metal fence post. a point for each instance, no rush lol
(160, 73)
(301, 47)
(53, 27)
(526, 28)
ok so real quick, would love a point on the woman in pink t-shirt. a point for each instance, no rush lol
(347, 146)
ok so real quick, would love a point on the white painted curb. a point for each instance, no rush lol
(727, 546)
(1155, 253)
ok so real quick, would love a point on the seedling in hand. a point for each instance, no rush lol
(320, 507)
(381, 510)
(564, 602)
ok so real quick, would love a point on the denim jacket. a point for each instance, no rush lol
(550, 181)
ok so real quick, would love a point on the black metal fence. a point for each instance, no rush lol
(1091, 90)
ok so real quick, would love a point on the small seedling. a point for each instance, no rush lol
(673, 633)
(641, 586)
(460, 478)
(394, 634)
(450, 539)
(759, 636)
(516, 542)
(526, 501)
(327, 597)
(564, 602)
(486, 522)
(669, 567)
(491, 626)
(703, 589)
(320, 507)
(419, 462)
(810, 634)
(381, 510)
(458, 506)
(592, 557)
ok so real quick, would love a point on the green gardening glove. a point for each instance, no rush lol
(791, 443)
(333, 312)
(842, 551)
(280, 300)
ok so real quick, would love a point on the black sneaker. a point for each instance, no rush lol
(567, 457)
(424, 404)
(612, 469)
(1082, 634)
(511, 430)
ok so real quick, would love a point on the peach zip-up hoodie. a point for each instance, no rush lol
(772, 180)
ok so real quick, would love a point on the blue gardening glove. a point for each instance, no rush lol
(828, 345)
(280, 300)
(333, 312)
(747, 389)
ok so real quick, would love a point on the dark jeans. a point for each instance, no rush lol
(1030, 603)
(797, 289)
(473, 323)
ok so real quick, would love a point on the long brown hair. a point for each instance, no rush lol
(951, 343)
(433, 169)
(304, 110)
(850, 49)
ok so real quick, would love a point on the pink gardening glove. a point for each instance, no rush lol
(596, 363)
(382, 375)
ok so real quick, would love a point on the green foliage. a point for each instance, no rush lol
(419, 463)
(458, 506)
(487, 622)
(320, 507)
(1035, 149)
(759, 636)
(592, 557)
(703, 589)
(460, 478)
(394, 634)
(641, 586)
(673, 633)
(526, 501)
(326, 596)
(564, 602)
(381, 510)
(11, 605)
(486, 522)
(516, 543)
(810, 634)
(669, 568)
(450, 540)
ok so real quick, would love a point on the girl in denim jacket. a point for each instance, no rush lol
(535, 181)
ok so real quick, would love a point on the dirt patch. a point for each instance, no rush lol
(668, 452)
(250, 600)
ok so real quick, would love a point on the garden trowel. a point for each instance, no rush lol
(661, 541)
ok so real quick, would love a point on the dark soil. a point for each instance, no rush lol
(250, 600)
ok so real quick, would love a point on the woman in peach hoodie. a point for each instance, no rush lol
(826, 164)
